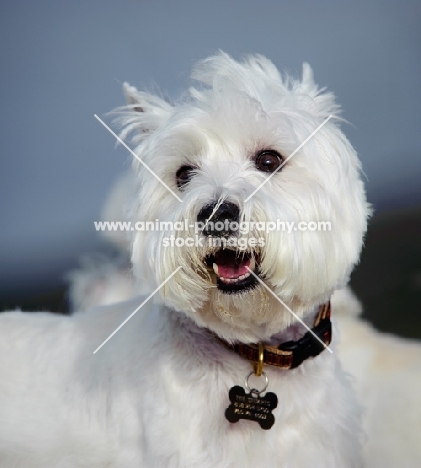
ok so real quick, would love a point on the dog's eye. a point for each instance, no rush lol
(268, 161)
(183, 175)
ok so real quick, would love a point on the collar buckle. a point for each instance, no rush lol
(308, 345)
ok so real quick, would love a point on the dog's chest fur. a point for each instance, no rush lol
(184, 378)
(156, 394)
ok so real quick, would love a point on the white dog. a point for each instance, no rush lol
(221, 369)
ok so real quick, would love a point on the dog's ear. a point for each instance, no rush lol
(323, 102)
(144, 113)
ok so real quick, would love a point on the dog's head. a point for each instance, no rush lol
(271, 198)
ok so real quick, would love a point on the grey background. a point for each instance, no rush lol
(64, 61)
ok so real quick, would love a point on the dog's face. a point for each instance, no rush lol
(238, 247)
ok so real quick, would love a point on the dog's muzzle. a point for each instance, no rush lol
(234, 268)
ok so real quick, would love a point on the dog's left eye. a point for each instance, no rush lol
(183, 175)
(268, 161)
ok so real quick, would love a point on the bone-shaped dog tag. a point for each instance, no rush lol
(251, 406)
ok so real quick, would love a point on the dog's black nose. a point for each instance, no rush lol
(224, 222)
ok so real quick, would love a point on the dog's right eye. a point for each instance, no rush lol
(183, 175)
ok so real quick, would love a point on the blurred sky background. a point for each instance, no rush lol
(64, 61)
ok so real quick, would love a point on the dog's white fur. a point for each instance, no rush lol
(155, 394)
(387, 372)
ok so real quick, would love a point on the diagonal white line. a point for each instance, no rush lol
(289, 157)
(137, 310)
(293, 313)
(218, 204)
(137, 157)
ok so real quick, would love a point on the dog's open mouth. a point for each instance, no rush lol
(232, 269)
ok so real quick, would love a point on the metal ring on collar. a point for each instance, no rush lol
(246, 382)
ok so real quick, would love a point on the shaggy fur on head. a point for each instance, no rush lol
(234, 111)
(156, 393)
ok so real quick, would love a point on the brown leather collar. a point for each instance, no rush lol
(291, 354)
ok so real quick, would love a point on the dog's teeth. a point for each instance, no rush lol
(215, 268)
(234, 280)
(252, 264)
(246, 275)
(228, 280)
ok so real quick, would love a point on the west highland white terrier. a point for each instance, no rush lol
(249, 213)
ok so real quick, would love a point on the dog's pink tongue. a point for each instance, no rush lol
(231, 267)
